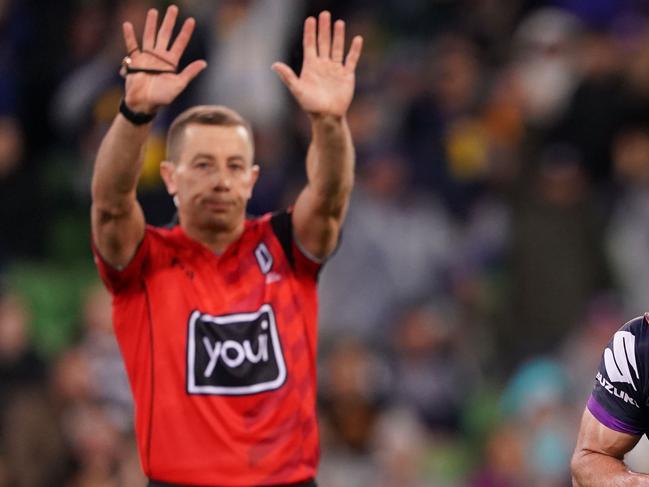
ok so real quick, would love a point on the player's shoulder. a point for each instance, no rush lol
(632, 338)
(638, 326)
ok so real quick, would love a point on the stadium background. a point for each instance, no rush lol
(498, 233)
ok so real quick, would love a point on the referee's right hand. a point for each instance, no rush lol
(145, 91)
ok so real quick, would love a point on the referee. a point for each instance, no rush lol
(216, 317)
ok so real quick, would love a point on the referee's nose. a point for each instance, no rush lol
(220, 180)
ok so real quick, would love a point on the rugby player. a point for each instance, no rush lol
(616, 415)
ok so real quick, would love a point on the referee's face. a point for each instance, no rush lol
(213, 177)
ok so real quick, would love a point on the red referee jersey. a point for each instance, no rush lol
(221, 355)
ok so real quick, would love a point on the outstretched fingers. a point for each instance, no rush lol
(148, 38)
(287, 75)
(338, 45)
(192, 70)
(308, 39)
(130, 41)
(354, 54)
(324, 34)
(167, 27)
(179, 45)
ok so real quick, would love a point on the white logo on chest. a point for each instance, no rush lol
(233, 353)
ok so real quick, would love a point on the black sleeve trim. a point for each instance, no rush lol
(282, 225)
(173, 222)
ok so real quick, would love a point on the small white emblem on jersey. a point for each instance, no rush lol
(272, 277)
(264, 258)
(617, 362)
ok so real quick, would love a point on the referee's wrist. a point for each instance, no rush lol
(135, 116)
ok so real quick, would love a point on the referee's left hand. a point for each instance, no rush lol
(326, 83)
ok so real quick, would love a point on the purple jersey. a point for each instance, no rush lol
(620, 396)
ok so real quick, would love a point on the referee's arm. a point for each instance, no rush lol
(324, 90)
(117, 219)
(598, 457)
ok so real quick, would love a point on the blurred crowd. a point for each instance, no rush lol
(497, 237)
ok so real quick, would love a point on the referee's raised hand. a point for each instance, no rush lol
(326, 82)
(151, 70)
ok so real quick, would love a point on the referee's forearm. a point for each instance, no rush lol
(118, 164)
(592, 469)
(330, 160)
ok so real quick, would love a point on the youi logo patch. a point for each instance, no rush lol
(234, 354)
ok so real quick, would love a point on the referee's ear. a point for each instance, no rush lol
(254, 176)
(168, 174)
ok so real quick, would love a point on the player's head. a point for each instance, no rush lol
(209, 168)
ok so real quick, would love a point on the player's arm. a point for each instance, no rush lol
(324, 90)
(598, 457)
(117, 219)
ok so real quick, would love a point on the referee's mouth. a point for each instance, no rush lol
(217, 205)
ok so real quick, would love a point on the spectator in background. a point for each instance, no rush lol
(246, 33)
(98, 441)
(627, 236)
(580, 352)
(74, 415)
(99, 348)
(11, 127)
(401, 448)
(20, 364)
(96, 452)
(11, 136)
(545, 64)
(432, 371)
(502, 461)
(28, 429)
(536, 401)
(557, 261)
(397, 247)
(353, 387)
(440, 133)
(595, 110)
